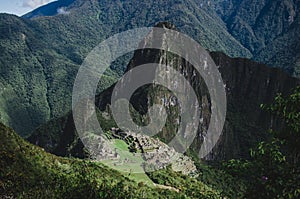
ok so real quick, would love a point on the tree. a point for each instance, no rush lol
(274, 170)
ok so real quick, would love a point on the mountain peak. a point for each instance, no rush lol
(51, 9)
(166, 25)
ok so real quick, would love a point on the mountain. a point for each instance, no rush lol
(51, 9)
(248, 85)
(41, 52)
(268, 29)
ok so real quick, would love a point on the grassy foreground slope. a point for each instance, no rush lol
(27, 171)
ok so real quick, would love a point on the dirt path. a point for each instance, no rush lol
(166, 187)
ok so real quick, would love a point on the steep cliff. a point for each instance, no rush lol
(248, 84)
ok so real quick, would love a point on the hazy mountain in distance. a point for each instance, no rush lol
(51, 9)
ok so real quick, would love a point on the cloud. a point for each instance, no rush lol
(35, 3)
(62, 11)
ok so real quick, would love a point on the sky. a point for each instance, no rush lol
(20, 7)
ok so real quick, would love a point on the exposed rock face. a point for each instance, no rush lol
(248, 84)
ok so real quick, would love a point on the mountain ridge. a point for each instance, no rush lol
(50, 9)
(255, 24)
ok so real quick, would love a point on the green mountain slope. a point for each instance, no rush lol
(28, 171)
(268, 29)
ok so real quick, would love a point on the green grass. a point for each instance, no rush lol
(121, 145)
(133, 169)
(136, 172)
